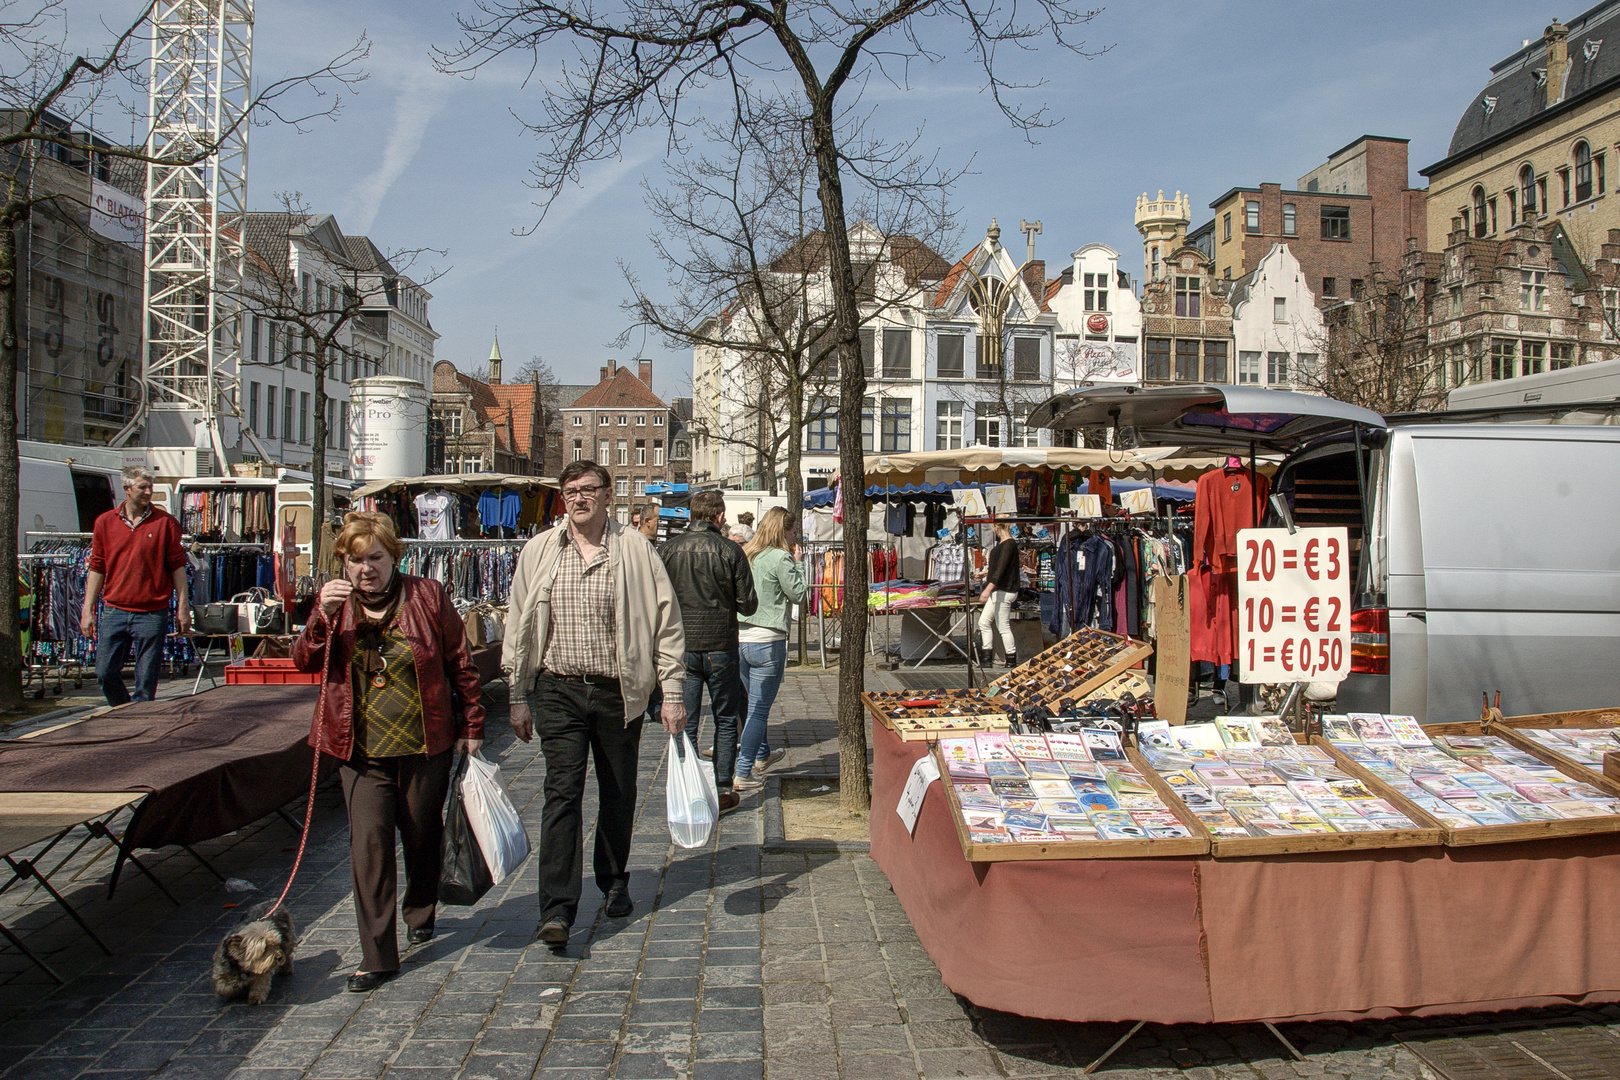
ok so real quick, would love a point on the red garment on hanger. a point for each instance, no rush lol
(1227, 500)
(1098, 484)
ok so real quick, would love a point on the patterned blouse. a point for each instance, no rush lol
(388, 718)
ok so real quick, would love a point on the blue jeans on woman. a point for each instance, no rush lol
(763, 665)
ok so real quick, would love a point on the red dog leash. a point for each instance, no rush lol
(314, 779)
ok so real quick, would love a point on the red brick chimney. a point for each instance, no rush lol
(606, 371)
(645, 371)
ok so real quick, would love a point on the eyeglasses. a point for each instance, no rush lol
(575, 494)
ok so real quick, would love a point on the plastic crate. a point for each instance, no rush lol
(278, 670)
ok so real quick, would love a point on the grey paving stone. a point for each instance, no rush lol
(632, 1066)
(728, 1070)
(571, 1054)
(879, 1067)
(729, 1045)
(499, 1067)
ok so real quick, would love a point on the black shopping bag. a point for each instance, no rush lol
(463, 873)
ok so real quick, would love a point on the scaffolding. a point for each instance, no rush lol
(200, 91)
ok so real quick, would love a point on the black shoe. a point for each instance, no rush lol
(618, 903)
(1011, 662)
(729, 801)
(420, 936)
(554, 932)
(364, 982)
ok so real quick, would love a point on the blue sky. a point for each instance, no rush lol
(1195, 96)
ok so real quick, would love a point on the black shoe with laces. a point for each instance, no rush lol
(618, 903)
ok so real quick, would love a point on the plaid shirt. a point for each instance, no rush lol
(582, 628)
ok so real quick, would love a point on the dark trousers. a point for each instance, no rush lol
(120, 633)
(384, 796)
(574, 720)
(721, 672)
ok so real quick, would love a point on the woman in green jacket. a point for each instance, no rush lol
(762, 637)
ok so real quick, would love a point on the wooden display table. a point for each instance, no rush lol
(1336, 935)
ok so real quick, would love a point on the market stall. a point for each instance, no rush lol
(472, 506)
(1424, 905)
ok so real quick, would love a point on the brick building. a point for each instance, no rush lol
(1519, 305)
(1346, 218)
(1186, 310)
(623, 426)
(480, 426)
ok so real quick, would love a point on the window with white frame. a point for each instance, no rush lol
(621, 486)
(1279, 309)
(641, 451)
(604, 420)
(1095, 293)
(579, 421)
(1249, 368)
(579, 450)
(1276, 368)
(640, 486)
(622, 457)
(895, 419)
(604, 451)
(948, 425)
(658, 452)
(1022, 433)
(641, 420)
(987, 431)
(658, 420)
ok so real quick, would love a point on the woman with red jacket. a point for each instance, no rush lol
(392, 656)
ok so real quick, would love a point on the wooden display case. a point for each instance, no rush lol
(1455, 836)
(1157, 847)
(934, 728)
(1508, 727)
(1427, 834)
(1025, 680)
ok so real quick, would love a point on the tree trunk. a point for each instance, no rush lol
(854, 781)
(317, 458)
(10, 636)
(795, 448)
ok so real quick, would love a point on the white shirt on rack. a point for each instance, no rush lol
(433, 516)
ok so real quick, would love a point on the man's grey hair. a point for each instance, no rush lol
(134, 474)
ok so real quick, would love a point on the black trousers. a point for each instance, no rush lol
(385, 796)
(575, 719)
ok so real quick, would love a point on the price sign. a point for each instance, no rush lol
(1293, 609)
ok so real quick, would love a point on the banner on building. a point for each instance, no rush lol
(1088, 362)
(116, 215)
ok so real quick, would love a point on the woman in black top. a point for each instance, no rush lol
(1001, 581)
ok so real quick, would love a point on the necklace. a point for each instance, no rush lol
(369, 633)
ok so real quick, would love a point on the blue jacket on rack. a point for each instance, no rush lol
(1095, 604)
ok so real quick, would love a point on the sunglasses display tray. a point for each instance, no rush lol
(925, 715)
(1073, 668)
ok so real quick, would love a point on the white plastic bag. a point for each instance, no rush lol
(494, 820)
(691, 798)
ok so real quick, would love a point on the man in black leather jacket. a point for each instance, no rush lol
(714, 584)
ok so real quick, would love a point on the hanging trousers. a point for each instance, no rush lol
(385, 796)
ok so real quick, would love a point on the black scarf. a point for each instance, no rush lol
(369, 634)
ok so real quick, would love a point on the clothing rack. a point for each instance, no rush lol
(477, 571)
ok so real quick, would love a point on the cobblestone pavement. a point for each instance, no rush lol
(739, 962)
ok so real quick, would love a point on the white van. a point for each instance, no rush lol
(1491, 558)
(53, 496)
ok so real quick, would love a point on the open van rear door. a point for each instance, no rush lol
(1205, 415)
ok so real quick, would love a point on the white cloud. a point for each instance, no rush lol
(417, 100)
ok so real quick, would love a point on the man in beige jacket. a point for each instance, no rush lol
(593, 625)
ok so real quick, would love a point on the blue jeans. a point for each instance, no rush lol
(763, 667)
(119, 633)
(717, 671)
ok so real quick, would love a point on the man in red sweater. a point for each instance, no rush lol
(135, 551)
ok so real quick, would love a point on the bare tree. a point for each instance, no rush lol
(1374, 350)
(311, 305)
(44, 91)
(661, 62)
(741, 240)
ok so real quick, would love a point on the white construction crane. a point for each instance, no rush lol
(200, 89)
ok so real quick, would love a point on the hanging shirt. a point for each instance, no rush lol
(1227, 500)
(511, 510)
(1098, 484)
(533, 502)
(489, 510)
(433, 516)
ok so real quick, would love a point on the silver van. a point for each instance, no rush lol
(1487, 554)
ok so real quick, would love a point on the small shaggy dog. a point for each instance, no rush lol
(254, 953)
